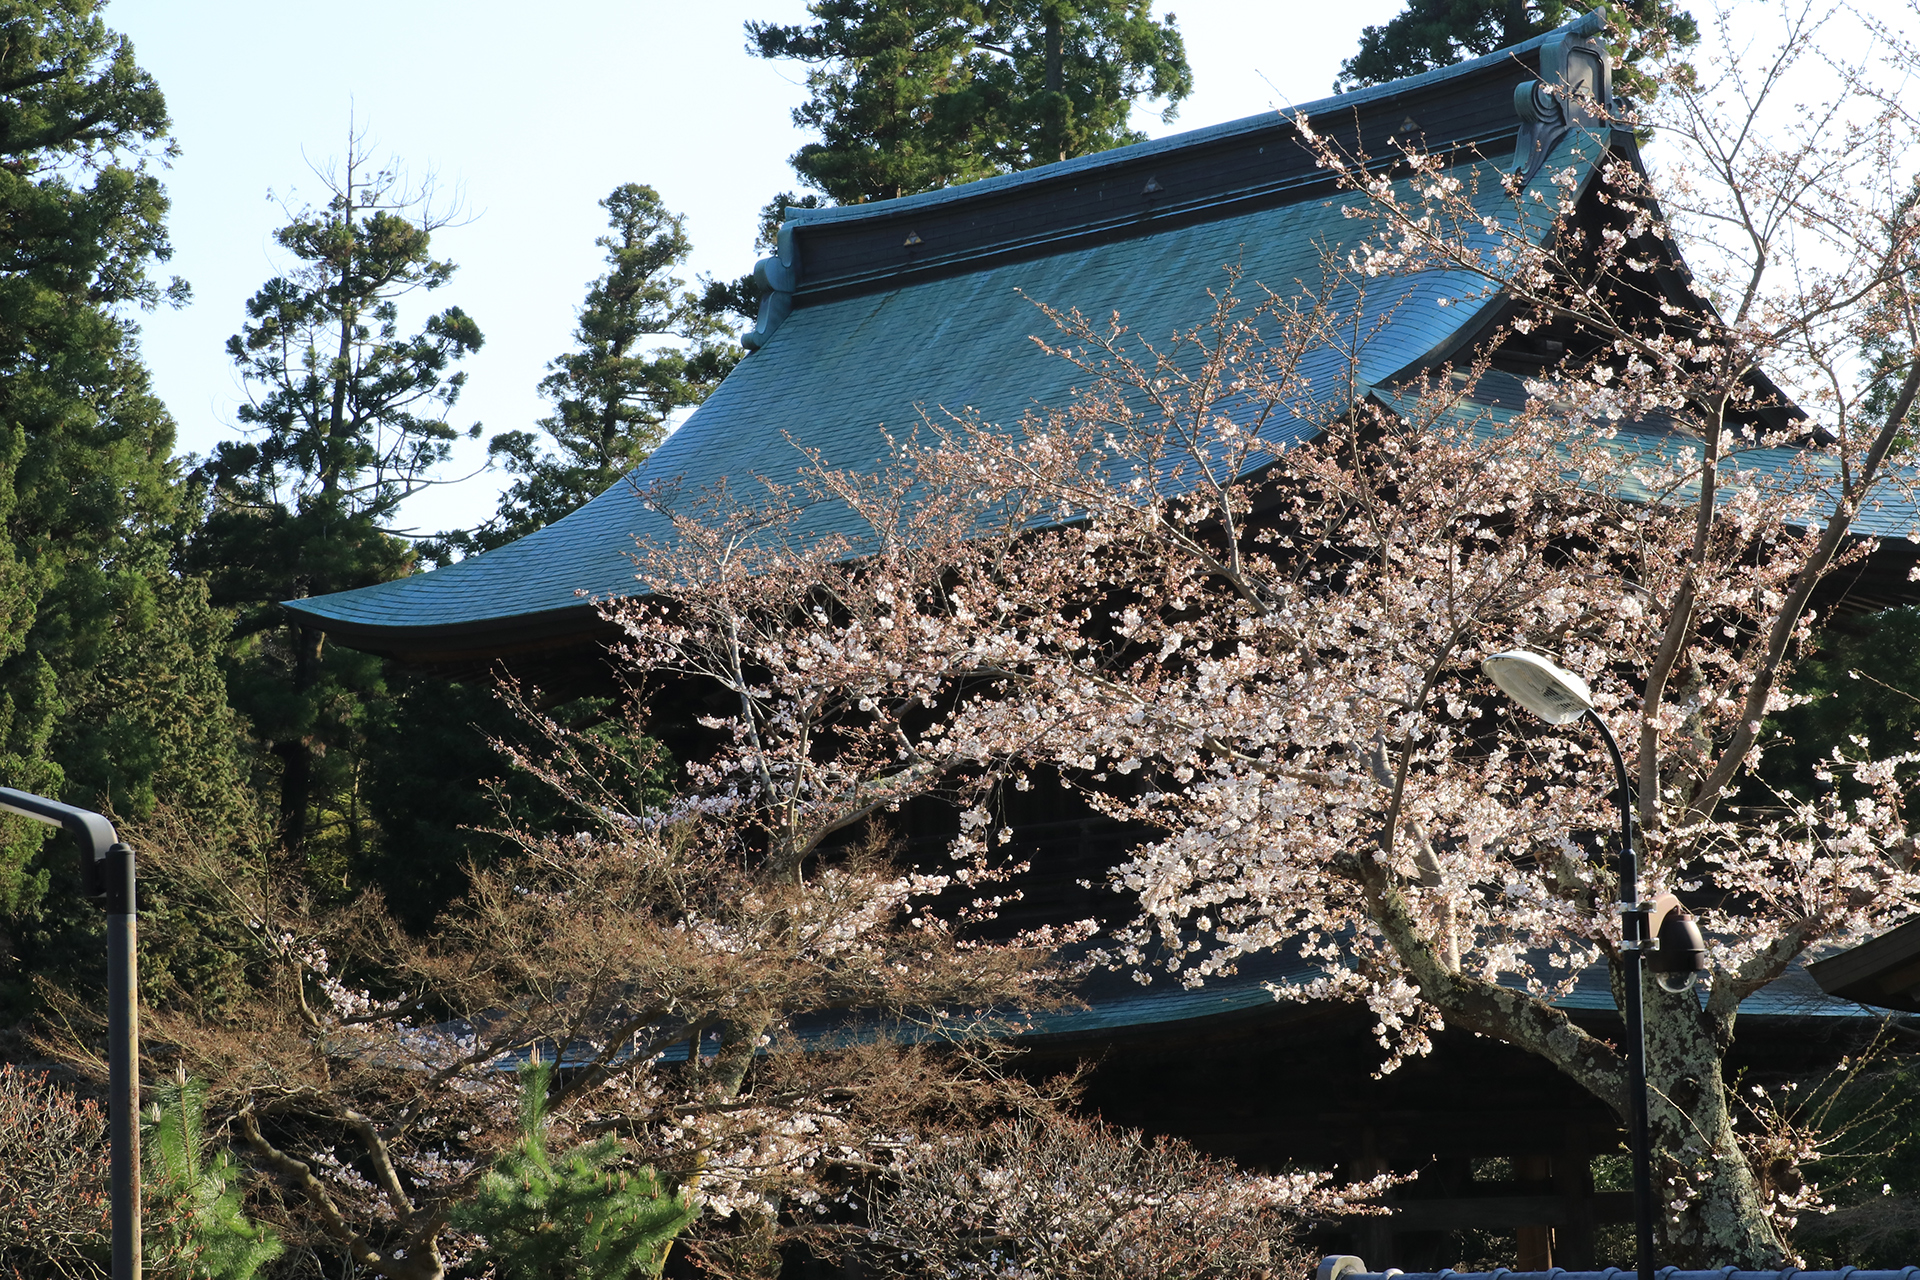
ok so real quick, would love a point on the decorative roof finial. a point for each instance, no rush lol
(1574, 87)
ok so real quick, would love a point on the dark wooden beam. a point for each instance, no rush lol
(1504, 1213)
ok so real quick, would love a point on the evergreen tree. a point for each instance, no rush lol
(577, 1216)
(1439, 33)
(613, 394)
(109, 692)
(646, 348)
(429, 790)
(1861, 682)
(739, 298)
(348, 421)
(437, 759)
(912, 95)
(195, 1224)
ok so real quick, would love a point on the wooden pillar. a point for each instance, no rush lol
(1535, 1243)
(1376, 1233)
(1573, 1179)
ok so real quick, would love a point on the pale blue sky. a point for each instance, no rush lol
(532, 114)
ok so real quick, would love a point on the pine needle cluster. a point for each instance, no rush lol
(580, 1214)
(201, 1230)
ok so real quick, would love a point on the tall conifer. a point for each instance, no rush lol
(109, 692)
(645, 348)
(913, 95)
(348, 419)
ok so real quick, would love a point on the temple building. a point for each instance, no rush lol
(879, 312)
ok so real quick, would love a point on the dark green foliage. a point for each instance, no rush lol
(615, 393)
(194, 955)
(1873, 1182)
(108, 691)
(349, 420)
(84, 217)
(353, 415)
(438, 785)
(1438, 33)
(774, 212)
(737, 301)
(177, 741)
(429, 791)
(1863, 680)
(912, 95)
(583, 1215)
(78, 118)
(142, 724)
(739, 298)
(195, 1224)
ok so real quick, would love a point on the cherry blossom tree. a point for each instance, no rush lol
(1265, 645)
(740, 991)
(760, 1040)
(1070, 1199)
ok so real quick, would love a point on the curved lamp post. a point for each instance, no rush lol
(106, 870)
(1560, 697)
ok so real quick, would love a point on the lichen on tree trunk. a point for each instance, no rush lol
(1709, 1206)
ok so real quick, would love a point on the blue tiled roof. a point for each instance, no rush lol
(840, 373)
(1655, 441)
(1115, 1001)
(867, 352)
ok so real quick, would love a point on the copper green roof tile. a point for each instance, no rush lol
(882, 331)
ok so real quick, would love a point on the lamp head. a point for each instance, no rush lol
(91, 831)
(1543, 687)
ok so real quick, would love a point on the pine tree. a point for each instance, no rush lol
(577, 1216)
(615, 393)
(196, 1226)
(1438, 33)
(348, 421)
(912, 95)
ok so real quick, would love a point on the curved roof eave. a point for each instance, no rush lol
(846, 369)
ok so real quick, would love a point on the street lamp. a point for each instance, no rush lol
(106, 869)
(1560, 697)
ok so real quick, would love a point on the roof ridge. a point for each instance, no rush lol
(1587, 24)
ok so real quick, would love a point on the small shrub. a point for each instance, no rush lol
(577, 1216)
(195, 1227)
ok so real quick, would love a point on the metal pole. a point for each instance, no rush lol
(123, 1059)
(106, 874)
(1633, 928)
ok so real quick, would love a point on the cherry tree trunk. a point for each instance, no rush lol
(1710, 1210)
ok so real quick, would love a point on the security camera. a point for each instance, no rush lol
(1680, 956)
